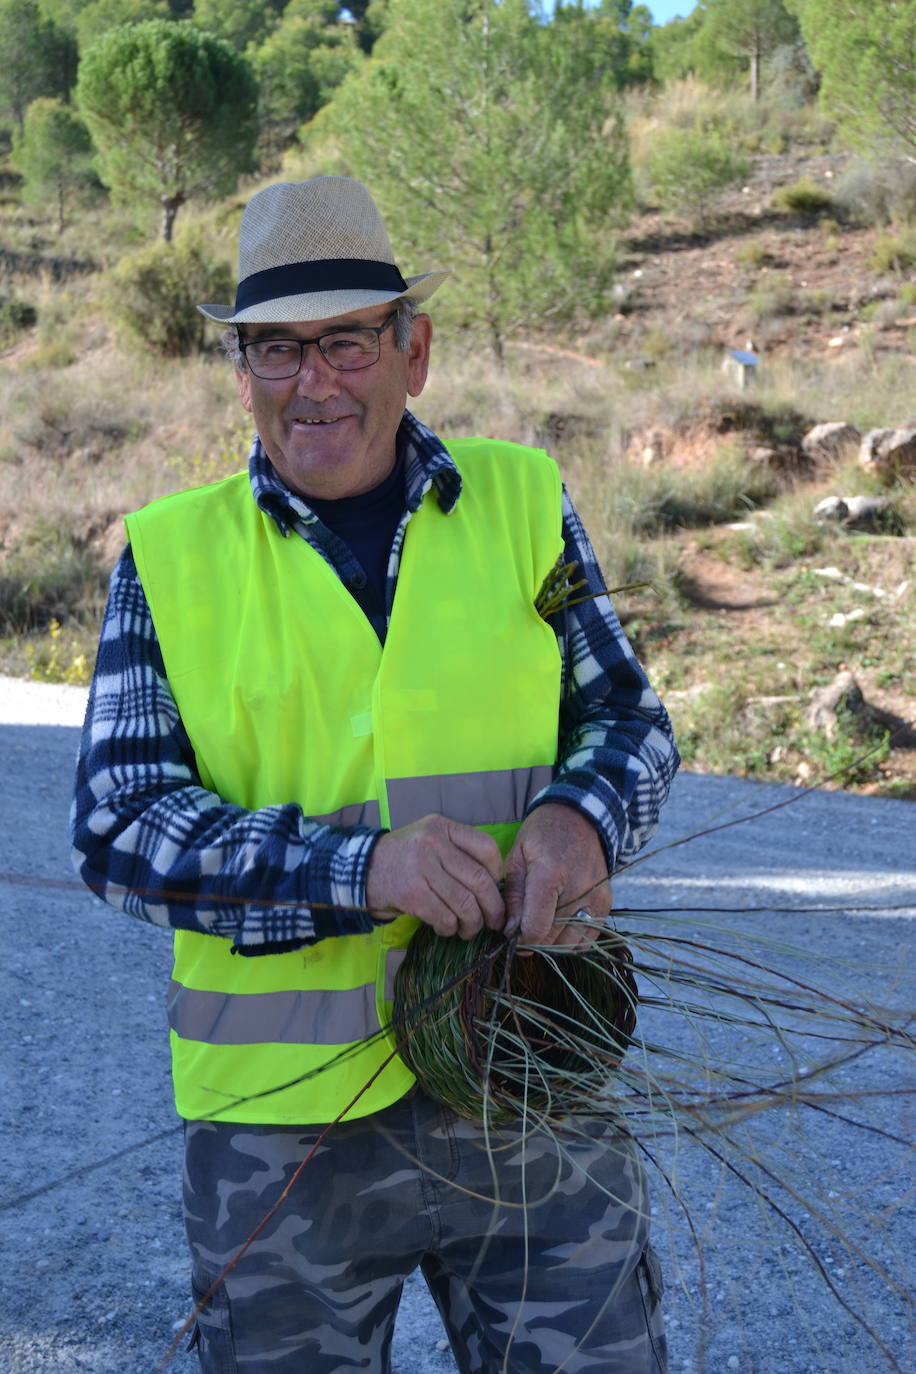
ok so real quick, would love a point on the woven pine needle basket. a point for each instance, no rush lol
(495, 1031)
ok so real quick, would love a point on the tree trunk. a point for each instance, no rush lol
(496, 340)
(494, 322)
(755, 73)
(170, 207)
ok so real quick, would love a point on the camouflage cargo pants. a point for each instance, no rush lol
(537, 1256)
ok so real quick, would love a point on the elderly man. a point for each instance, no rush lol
(324, 698)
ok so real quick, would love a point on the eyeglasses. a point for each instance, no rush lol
(347, 350)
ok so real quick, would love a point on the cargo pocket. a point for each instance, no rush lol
(212, 1334)
(652, 1288)
(655, 1283)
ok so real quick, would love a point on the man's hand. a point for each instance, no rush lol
(555, 868)
(442, 871)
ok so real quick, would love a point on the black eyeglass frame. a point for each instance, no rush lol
(376, 329)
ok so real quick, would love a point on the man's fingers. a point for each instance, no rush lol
(474, 892)
(556, 866)
(479, 846)
(532, 895)
(463, 908)
(596, 902)
(444, 872)
(469, 879)
(575, 932)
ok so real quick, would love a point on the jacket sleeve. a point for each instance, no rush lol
(149, 839)
(617, 754)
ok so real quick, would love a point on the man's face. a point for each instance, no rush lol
(331, 434)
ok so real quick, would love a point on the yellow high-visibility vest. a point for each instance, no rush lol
(287, 696)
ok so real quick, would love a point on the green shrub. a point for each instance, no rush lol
(688, 168)
(817, 301)
(55, 353)
(854, 750)
(788, 534)
(751, 254)
(654, 500)
(878, 193)
(152, 295)
(772, 297)
(48, 575)
(894, 252)
(639, 572)
(776, 142)
(804, 197)
(883, 313)
(61, 331)
(15, 315)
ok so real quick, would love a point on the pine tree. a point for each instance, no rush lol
(36, 58)
(746, 32)
(494, 144)
(53, 154)
(865, 52)
(172, 112)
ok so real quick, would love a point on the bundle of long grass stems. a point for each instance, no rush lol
(495, 1030)
(736, 1075)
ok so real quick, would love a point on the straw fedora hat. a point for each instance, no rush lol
(311, 250)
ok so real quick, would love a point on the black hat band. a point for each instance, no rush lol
(325, 274)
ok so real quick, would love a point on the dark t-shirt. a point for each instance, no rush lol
(367, 525)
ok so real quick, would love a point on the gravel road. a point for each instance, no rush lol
(92, 1258)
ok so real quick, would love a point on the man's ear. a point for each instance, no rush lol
(243, 382)
(418, 354)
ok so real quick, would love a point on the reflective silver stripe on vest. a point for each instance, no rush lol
(393, 962)
(358, 813)
(490, 798)
(314, 1017)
